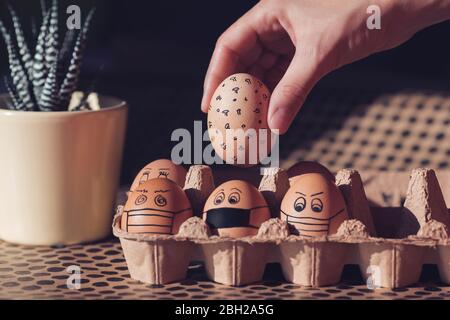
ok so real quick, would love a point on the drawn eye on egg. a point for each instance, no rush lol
(144, 177)
(236, 90)
(225, 112)
(141, 199)
(234, 198)
(227, 126)
(239, 111)
(218, 98)
(299, 204)
(160, 201)
(233, 79)
(219, 198)
(164, 174)
(248, 81)
(316, 205)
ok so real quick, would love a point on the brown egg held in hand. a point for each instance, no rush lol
(304, 167)
(237, 120)
(235, 209)
(157, 206)
(162, 168)
(314, 206)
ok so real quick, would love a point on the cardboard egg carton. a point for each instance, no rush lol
(389, 244)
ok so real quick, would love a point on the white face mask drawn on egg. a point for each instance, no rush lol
(323, 224)
(167, 214)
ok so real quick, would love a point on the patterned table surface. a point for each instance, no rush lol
(41, 273)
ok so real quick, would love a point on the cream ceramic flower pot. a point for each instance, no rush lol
(60, 173)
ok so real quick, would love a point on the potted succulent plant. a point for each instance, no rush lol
(60, 150)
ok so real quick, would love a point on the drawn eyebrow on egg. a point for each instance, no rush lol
(218, 97)
(225, 112)
(233, 78)
(236, 89)
(248, 81)
(162, 191)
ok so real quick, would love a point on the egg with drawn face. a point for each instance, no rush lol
(314, 206)
(304, 167)
(235, 209)
(157, 206)
(162, 168)
(237, 120)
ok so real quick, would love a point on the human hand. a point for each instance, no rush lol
(291, 44)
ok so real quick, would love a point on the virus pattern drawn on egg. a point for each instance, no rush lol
(241, 102)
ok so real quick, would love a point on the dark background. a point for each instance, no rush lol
(154, 54)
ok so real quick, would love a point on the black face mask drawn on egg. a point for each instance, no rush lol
(221, 218)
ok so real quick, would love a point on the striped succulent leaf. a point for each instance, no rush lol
(49, 99)
(46, 78)
(18, 72)
(16, 103)
(52, 38)
(43, 8)
(39, 67)
(22, 43)
(66, 52)
(71, 78)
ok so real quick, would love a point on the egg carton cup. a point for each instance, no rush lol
(389, 244)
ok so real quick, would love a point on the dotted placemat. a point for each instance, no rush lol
(368, 130)
(41, 273)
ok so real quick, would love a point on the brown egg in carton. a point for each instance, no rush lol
(389, 244)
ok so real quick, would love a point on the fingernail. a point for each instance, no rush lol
(280, 119)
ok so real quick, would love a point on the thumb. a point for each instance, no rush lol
(291, 92)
